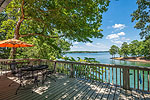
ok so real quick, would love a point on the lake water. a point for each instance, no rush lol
(104, 58)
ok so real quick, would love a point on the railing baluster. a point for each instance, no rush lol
(109, 75)
(148, 81)
(75, 70)
(96, 72)
(134, 79)
(67, 69)
(90, 73)
(112, 76)
(72, 71)
(105, 75)
(138, 79)
(102, 73)
(85, 71)
(80, 71)
(143, 80)
(116, 76)
(99, 73)
(93, 72)
(78, 67)
(55, 67)
(120, 77)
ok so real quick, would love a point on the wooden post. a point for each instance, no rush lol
(126, 78)
(71, 71)
(55, 67)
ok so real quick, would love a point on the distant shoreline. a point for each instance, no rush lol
(86, 51)
(137, 59)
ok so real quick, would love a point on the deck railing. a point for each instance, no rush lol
(128, 77)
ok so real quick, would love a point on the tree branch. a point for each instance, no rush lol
(38, 34)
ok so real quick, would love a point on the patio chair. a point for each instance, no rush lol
(50, 74)
(3, 69)
(24, 73)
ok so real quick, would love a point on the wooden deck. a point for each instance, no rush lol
(68, 89)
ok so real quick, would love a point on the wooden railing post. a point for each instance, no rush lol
(126, 78)
(55, 67)
(71, 71)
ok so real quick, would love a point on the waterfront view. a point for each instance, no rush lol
(74, 49)
(104, 58)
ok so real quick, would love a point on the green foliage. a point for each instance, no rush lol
(4, 52)
(146, 49)
(45, 48)
(113, 50)
(44, 20)
(135, 48)
(120, 52)
(141, 15)
(75, 20)
(125, 49)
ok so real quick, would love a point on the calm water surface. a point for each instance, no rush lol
(104, 58)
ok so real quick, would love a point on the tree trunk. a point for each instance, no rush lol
(16, 33)
(16, 36)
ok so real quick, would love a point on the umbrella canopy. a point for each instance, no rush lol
(14, 43)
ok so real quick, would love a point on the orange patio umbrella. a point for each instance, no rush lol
(14, 43)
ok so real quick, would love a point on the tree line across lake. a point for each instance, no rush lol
(135, 48)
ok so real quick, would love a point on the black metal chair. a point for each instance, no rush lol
(14, 71)
(23, 73)
(50, 74)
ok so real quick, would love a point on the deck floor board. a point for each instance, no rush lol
(69, 89)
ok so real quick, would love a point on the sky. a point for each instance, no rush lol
(117, 27)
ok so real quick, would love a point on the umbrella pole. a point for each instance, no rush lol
(14, 49)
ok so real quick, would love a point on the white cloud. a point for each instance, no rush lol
(76, 43)
(117, 38)
(121, 33)
(119, 26)
(114, 36)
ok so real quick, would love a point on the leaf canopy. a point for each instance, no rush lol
(142, 16)
(75, 20)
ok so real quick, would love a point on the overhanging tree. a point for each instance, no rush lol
(72, 20)
(142, 15)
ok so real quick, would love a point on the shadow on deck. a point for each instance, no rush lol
(68, 88)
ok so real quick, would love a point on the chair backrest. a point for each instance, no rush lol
(13, 68)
